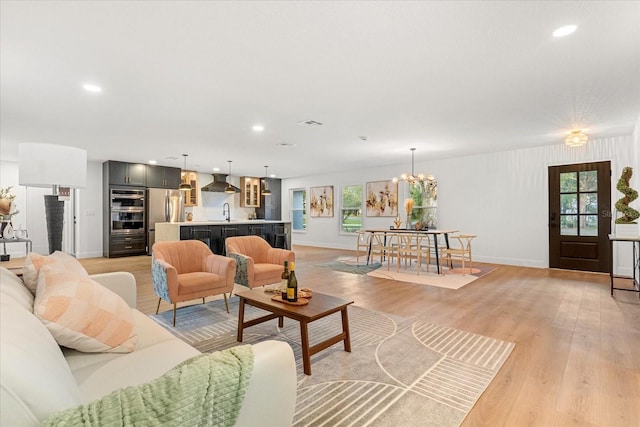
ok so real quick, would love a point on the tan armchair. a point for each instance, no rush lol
(258, 263)
(187, 269)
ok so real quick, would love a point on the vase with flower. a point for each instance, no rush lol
(408, 207)
(7, 211)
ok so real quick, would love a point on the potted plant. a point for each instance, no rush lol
(626, 225)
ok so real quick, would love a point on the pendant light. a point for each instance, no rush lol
(266, 191)
(229, 188)
(184, 186)
(412, 178)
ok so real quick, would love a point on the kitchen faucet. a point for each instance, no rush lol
(226, 210)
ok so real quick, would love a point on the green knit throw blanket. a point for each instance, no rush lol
(206, 390)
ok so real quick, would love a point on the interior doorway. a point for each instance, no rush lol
(580, 216)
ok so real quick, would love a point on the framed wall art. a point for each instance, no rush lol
(382, 198)
(321, 201)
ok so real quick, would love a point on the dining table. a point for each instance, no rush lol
(434, 232)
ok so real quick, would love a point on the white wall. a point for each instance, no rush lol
(501, 197)
(90, 213)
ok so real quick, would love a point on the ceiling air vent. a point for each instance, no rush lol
(310, 123)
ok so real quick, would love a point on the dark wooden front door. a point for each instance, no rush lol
(579, 216)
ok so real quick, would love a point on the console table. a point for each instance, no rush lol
(27, 243)
(635, 243)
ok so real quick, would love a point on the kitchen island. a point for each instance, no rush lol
(214, 233)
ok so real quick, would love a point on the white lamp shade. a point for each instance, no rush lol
(46, 165)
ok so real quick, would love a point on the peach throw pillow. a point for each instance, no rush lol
(82, 314)
(62, 262)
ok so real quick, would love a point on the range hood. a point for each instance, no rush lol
(218, 184)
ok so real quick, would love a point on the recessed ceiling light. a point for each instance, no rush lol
(565, 31)
(216, 169)
(285, 144)
(258, 128)
(152, 162)
(92, 88)
(273, 175)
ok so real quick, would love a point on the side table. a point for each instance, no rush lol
(635, 243)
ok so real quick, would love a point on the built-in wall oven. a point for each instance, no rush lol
(127, 211)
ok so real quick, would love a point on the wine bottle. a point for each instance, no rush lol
(292, 286)
(284, 282)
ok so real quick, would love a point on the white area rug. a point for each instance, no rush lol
(450, 279)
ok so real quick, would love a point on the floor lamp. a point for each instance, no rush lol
(55, 166)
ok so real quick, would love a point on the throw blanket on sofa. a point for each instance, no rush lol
(206, 390)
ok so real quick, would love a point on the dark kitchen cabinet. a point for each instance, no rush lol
(163, 177)
(127, 245)
(271, 206)
(123, 173)
(216, 234)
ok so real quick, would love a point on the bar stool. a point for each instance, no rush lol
(257, 230)
(202, 235)
(280, 237)
(227, 232)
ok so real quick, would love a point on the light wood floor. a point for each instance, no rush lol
(577, 355)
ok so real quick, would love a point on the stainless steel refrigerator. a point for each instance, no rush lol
(162, 206)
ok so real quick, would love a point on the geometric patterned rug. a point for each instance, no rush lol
(400, 372)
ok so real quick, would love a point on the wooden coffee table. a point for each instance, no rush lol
(319, 306)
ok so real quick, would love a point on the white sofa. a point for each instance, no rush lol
(39, 378)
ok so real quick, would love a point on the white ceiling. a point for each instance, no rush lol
(450, 78)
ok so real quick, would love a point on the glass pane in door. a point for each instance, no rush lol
(588, 181)
(569, 225)
(568, 182)
(589, 203)
(588, 225)
(568, 203)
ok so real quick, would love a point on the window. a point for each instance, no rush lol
(425, 199)
(351, 212)
(579, 203)
(299, 209)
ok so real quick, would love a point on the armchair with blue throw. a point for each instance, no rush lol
(187, 269)
(258, 263)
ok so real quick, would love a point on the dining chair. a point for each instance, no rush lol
(362, 243)
(461, 249)
(377, 246)
(410, 249)
(428, 248)
(386, 245)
